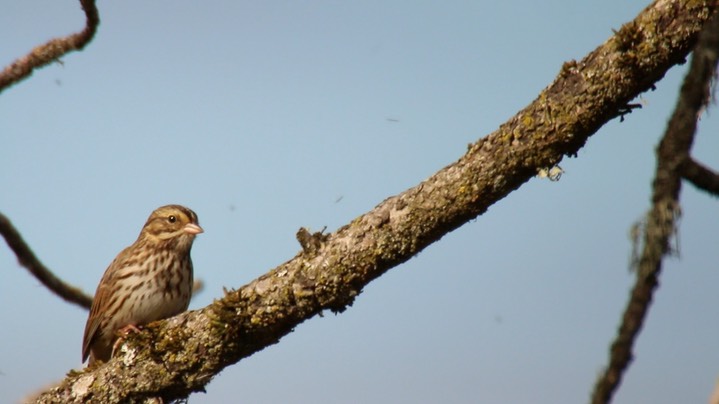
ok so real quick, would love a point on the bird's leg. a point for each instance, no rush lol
(122, 333)
(126, 330)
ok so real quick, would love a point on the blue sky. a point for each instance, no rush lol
(265, 117)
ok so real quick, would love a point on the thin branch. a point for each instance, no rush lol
(708, 51)
(173, 358)
(52, 50)
(662, 220)
(28, 260)
(197, 287)
(700, 176)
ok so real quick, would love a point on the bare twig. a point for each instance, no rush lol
(661, 222)
(28, 259)
(52, 50)
(700, 176)
(172, 358)
(197, 287)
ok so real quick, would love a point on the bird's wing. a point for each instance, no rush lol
(92, 327)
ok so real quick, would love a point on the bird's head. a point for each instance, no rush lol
(171, 222)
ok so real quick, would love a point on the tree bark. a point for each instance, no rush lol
(173, 358)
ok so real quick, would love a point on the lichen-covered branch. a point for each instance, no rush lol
(176, 357)
(660, 227)
(28, 259)
(52, 50)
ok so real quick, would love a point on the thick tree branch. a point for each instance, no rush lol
(52, 50)
(672, 155)
(176, 357)
(28, 259)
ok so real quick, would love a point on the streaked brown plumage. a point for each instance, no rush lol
(148, 281)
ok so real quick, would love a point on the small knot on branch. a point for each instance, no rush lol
(311, 242)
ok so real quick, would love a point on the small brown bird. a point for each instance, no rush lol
(148, 281)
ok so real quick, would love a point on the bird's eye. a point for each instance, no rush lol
(172, 218)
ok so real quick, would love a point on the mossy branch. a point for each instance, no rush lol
(176, 357)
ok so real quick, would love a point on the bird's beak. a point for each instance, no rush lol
(192, 228)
